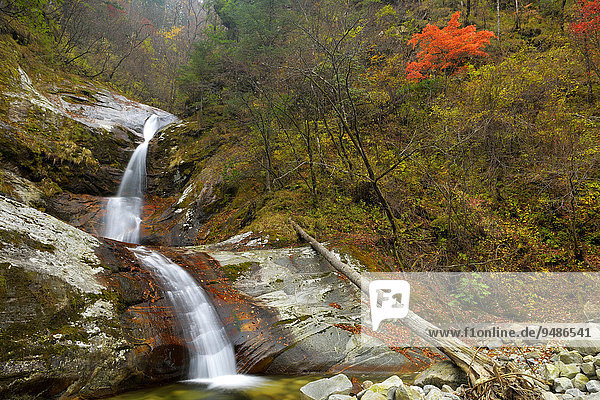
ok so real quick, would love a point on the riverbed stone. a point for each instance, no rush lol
(549, 396)
(569, 370)
(570, 357)
(340, 397)
(408, 393)
(533, 354)
(384, 386)
(323, 388)
(370, 395)
(579, 381)
(441, 373)
(588, 369)
(434, 394)
(562, 384)
(427, 388)
(550, 372)
(576, 393)
(593, 386)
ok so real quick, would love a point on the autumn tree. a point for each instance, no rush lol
(586, 29)
(446, 51)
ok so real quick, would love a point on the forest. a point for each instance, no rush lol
(414, 136)
(436, 134)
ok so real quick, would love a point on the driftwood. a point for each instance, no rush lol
(478, 366)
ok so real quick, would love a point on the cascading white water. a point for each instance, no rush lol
(212, 357)
(123, 212)
(211, 351)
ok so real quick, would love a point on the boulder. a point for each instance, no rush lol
(570, 357)
(562, 384)
(340, 397)
(408, 393)
(441, 373)
(369, 395)
(579, 381)
(593, 386)
(549, 396)
(576, 393)
(569, 370)
(323, 388)
(435, 394)
(384, 386)
(588, 369)
(550, 372)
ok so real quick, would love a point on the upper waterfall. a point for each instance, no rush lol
(123, 212)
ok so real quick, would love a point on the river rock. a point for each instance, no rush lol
(550, 372)
(369, 395)
(570, 357)
(562, 384)
(588, 347)
(576, 393)
(534, 354)
(384, 386)
(549, 396)
(434, 394)
(588, 369)
(579, 381)
(323, 388)
(569, 370)
(408, 393)
(593, 386)
(340, 397)
(441, 373)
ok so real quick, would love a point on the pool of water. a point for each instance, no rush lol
(261, 388)
(268, 388)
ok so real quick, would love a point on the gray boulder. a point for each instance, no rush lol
(589, 369)
(442, 373)
(549, 396)
(408, 393)
(562, 384)
(369, 395)
(569, 370)
(323, 388)
(579, 381)
(340, 397)
(570, 357)
(593, 386)
(576, 393)
(435, 394)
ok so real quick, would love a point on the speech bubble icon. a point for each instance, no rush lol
(388, 299)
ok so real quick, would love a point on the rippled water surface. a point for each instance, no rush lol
(271, 388)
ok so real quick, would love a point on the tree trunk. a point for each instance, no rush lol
(498, 18)
(476, 365)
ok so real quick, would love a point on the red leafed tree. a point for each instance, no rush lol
(586, 29)
(445, 51)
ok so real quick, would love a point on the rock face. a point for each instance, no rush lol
(58, 325)
(317, 311)
(80, 317)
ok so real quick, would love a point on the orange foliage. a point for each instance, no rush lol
(445, 51)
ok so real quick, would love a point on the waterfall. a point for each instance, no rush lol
(211, 351)
(212, 358)
(124, 212)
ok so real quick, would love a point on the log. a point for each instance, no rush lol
(476, 365)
